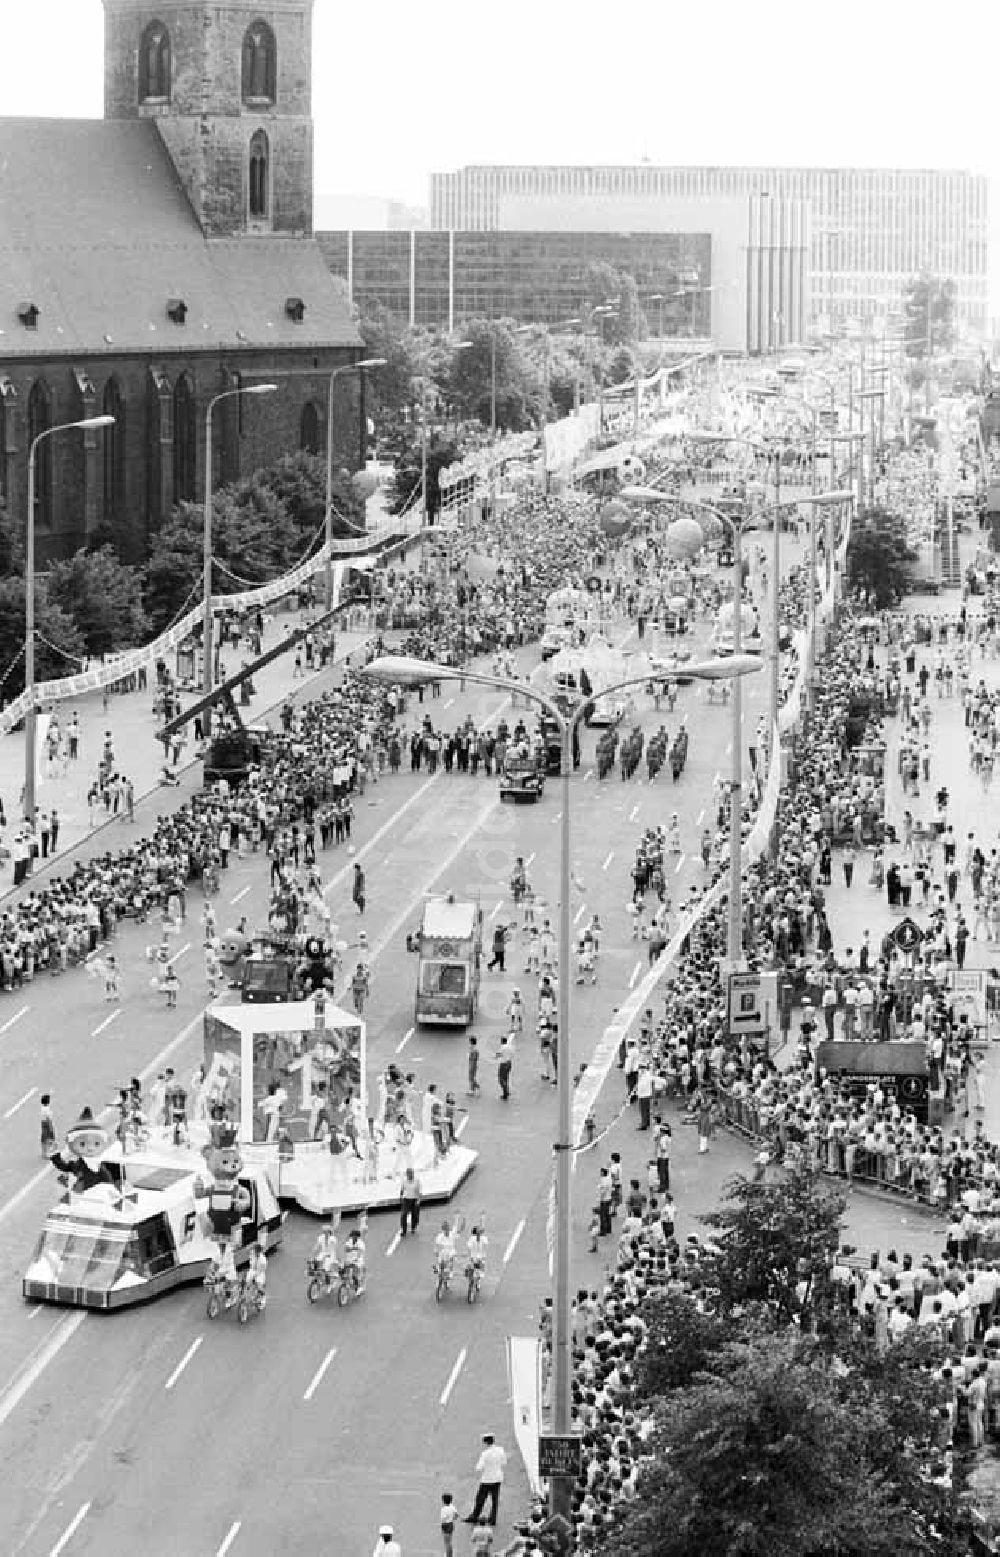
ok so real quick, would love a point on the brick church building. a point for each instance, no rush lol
(156, 257)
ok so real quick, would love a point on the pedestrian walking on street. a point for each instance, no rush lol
(505, 1059)
(474, 1087)
(490, 1468)
(47, 1130)
(387, 1545)
(448, 1519)
(358, 895)
(409, 1203)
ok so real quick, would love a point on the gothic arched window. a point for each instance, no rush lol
(260, 173)
(309, 429)
(185, 441)
(154, 63)
(113, 404)
(39, 421)
(260, 64)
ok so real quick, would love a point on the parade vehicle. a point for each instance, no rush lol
(268, 969)
(522, 777)
(131, 1227)
(449, 944)
(590, 673)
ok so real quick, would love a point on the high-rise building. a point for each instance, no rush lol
(872, 229)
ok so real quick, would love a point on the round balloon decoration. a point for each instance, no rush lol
(684, 538)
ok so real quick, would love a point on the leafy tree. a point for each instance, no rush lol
(878, 555)
(681, 1341)
(391, 389)
(406, 452)
(777, 1451)
(59, 644)
(103, 596)
(11, 543)
(604, 285)
(929, 307)
(470, 379)
(775, 1243)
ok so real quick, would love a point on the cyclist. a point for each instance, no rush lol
(226, 1272)
(354, 1258)
(478, 1246)
(324, 1252)
(444, 1250)
(257, 1273)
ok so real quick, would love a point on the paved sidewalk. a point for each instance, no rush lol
(133, 725)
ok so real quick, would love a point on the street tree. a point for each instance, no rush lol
(778, 1450)
(775, 1241)
(406, 454)
(491, 368)
(391, 389)
(879, 556)
(59, 645)
(103, 596)
(613, 290)
(929, 310)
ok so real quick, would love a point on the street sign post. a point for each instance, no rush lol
(559, 1454)
(753, 1002)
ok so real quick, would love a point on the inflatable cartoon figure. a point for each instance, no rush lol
(85, 1144)
(228, 1200)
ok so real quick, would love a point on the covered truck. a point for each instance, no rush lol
(449, 945)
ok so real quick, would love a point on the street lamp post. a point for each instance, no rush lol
(30, 717)
(403, 669)
(208, 653)
(335, 373)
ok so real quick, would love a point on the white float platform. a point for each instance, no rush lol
(318, 1182)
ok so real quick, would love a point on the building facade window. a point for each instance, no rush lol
(309, 439)
(154, 64)
(259, 188)
(185, 441)
(113, 404)
(260, 64)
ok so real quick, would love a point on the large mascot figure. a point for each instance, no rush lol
(81, 1161)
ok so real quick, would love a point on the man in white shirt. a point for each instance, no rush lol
(490, 1468)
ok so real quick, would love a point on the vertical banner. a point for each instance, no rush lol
(42, 722)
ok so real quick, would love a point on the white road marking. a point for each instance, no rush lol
(579, 913)
(447, 705)
(15, 1018)
(184, 1362)
(529, 859)
(234, 1530)
(401, 1045)
(701, 817)
(240, 895)
(460, 1127)
(515, 1236)
(634, 812)
(39, 1360)
(317, 1377)
(729, 748)
(607, 862)
(557, 818)
(588, 775)
(116, 1013)
(36, 1311)
(394, 1245)
(70, 1530)
(496, 909)
(635, 974)
(453, 1376)
(179, 954)
(680, 862)
(20, 1103)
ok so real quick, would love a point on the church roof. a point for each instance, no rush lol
(97, 233)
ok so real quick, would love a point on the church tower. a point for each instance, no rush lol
(229, 84)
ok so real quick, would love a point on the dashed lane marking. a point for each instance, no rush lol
(401, 1045)
(634, 812)
(20, 1103)
(317, 1377)
(680, 862)
(496, 908)
(15, 1018)
(394, 1245)
(607, 862)
(453, 1376)
(579, 913)
(241, 894)
(70, 1530)
(184, 1362)
(39, 1360)
(701, 817)
(234, 1530)
(508, 1253)
(635, 975)
(116, 1013)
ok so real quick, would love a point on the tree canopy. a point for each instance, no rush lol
(929, 309)
(879, 555)
(103, 596)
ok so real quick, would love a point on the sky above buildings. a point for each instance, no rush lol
(402, 89)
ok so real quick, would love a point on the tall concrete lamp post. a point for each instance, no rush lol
(30, 718)
(208, 650)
